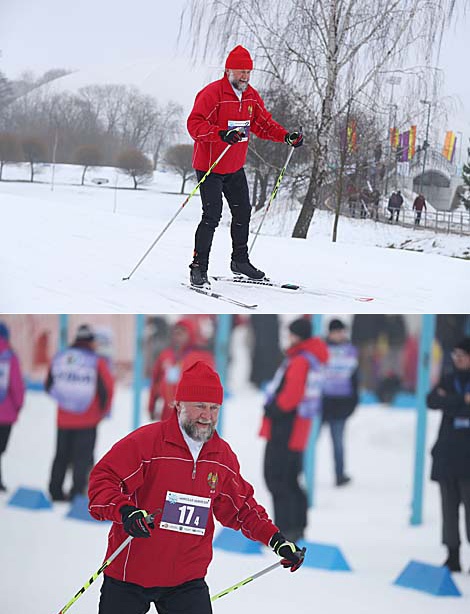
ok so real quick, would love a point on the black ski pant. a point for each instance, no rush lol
(234, 187)
(454, 492)
(126, 598)
(5, 431)
(282, 468)
(75, 449)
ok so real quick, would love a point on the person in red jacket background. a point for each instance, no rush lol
(80, 381)
(169, 366)
(184, 473)
(293, 398)
(11, 391)
(225, 112)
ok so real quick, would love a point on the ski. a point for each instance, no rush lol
(257, 282)
(220, 297)
(269, 283)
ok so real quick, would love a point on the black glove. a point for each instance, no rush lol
(292, 555)
(295, 139)
(231, 136)
(134, 522)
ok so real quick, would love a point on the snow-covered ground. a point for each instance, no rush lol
(45, 558)
(67, 250)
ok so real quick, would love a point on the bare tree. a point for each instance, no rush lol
(34, 150)
(180, 158)
(9, 150)
(88, 156)
(168, 127)
(308, 47)
(135, 164)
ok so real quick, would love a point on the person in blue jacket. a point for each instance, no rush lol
(340, 391)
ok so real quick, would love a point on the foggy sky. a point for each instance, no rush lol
(39, 35)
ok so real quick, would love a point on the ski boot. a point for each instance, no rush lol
(247, 269)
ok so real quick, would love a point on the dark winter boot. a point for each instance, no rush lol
(198, 275)
(342, 480)
(247, 269)
(453, 560)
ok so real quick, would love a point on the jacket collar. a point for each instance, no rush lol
(228, 89)
(173, 434)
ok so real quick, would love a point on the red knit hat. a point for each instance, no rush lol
(239, 59)
(200, 382)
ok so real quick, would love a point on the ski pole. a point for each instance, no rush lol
(150, 518)
(251, 578)
(246, 581)
(176, 214)
(273, 195)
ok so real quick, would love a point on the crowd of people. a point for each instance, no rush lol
(365, 203)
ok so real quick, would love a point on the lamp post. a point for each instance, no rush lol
(460, 147)
(426, 144)
(392, 118)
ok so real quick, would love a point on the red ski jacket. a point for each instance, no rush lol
(153, 469)
(292, 391)
(216, 108)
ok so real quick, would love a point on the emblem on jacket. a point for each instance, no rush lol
(250, 109)
(212, 479)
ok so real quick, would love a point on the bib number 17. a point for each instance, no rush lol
(185, 518)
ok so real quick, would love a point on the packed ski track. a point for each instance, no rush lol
(67, 250)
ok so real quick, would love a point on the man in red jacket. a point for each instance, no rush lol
(225, 112)
(418, 205)
(170, 364)
(184, 473)
(294, 398)
(81, 383)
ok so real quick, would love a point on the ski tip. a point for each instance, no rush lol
(365, 299)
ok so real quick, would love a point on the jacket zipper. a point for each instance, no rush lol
(194, 471)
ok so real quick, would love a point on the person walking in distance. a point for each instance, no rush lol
(225, 112)
(293, 399)
(182, 471)
(418, 205)
(11, 391)
(81, 383)
(340, 391)
(451, 452)
(169, 365)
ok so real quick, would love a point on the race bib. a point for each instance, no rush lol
(4, 375)
(241, 125)
(185, 513)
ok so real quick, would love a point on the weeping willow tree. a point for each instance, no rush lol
(310, 47)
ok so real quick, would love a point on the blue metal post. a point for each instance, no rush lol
(138, 368)
(424, 367)
(222, 343)
(310, 452)
(63, 329)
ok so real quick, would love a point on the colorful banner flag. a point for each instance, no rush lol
(405, 141)
(448, 150)
(352, 135)
(412, 143)
(394, 138)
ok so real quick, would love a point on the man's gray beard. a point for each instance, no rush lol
(241, 87)
(191, 429)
